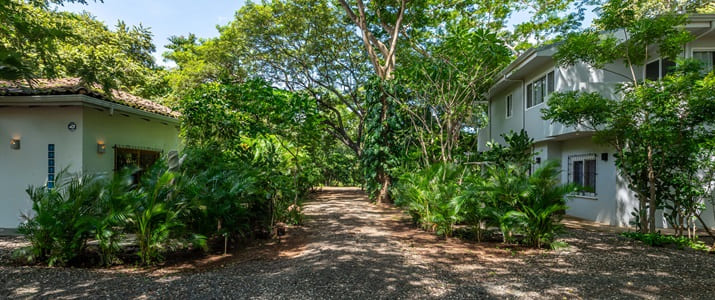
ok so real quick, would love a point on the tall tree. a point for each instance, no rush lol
(39, 42)
(276, 40)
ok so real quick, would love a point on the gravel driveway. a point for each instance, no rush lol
(352, 249)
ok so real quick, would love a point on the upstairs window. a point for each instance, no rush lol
(582, 172)
(707, 58)
(509, 106)
(657, 69)
(538, 90)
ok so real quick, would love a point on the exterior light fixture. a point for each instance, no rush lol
(101, 148)
(604, 156)
(15, 144)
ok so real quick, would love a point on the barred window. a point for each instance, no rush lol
(131, 156)
(582, 172)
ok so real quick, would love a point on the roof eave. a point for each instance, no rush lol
(77, 99)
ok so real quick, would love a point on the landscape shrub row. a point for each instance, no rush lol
(178, 203)
(500, 193)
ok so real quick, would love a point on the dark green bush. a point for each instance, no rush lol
(63, 219)
(500, 194)
(659, 240)
(428, 196)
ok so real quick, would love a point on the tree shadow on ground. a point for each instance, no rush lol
(352, 249)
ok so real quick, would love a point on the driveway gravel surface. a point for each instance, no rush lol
(352, 249)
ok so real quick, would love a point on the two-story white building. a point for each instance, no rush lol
(522, 90)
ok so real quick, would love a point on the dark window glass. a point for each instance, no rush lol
(129, 157)
(552, 82)
(589, 174)
(666, 67)
(652, 70)
(529, 96)
(582, 172)
(577, 172)
(508, 106)
(707, 58)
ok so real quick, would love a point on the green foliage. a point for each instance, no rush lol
(155, 217)
(428, 196)
(446, 91)
(113, 207)
(517, 151)
(38, 42)
(659, 240)
(62, 220)
(643, 27)
(501, 194)
(106, 208)
(317, 54)
(252, 149)
(381, 142)
(659, 129)
(666, 118)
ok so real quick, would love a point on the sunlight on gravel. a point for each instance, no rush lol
(350, 248)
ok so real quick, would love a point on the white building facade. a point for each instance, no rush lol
(522, 90)
(43, 131)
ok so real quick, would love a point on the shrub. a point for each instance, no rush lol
(429, 194)
(113, 207)
(659, 240)
(155, 216)
(62, 220)
(543, 206)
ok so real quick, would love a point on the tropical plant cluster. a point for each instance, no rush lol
(498, 194)
(107, 209)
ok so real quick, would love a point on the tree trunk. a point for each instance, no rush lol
(651, 183)
(383, 196)
(383, 177)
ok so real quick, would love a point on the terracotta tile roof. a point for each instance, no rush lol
(69, 86)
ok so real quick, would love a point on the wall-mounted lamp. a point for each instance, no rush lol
(101, 148)
(15, 144)
(604, 156)
(538, 160)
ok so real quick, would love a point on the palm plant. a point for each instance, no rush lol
(504, 189)
(62, 220)
(113, 207)
(544, 205)
(429, 195)
(156, 213)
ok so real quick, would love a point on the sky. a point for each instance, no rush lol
(164, 17)
(180, 17)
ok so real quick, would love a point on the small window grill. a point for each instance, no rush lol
(582, 172)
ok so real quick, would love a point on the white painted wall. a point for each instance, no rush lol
(42, 125)
(122, 128)
(36, 127)
(613, 202)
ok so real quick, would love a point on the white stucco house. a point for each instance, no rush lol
(522, 90)
(61, 124)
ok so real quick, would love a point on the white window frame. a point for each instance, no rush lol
(702, 49)
(545, 77)
(570, 174)
(660, 67)
(509, 103)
